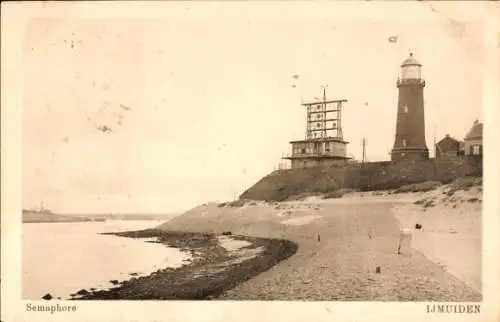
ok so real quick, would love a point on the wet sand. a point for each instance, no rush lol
(219, 263)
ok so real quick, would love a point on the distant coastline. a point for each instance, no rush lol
(48, 216)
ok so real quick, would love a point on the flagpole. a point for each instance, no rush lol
(435, 147)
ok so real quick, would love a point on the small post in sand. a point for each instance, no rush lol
(319, 237)
(405, 239)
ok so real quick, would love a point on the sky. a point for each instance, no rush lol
(160, 113)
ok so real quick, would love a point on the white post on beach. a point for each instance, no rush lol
(405, 239)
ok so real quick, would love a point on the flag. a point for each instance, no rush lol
(393, 39)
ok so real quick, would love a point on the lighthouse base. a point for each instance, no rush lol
(403, 154)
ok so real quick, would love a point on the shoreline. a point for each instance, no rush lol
(212, 270)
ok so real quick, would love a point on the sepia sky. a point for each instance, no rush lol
(159, 113)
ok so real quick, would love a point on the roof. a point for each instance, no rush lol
(449, 139)
(448, 143)
(476, 131)
(340, 100)
(411, 61)
(329, 139)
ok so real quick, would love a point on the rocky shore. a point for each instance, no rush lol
(213, 269)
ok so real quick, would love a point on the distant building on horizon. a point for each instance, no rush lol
(324, 144)
(409, 143)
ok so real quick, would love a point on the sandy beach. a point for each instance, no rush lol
(319, 247)
(342, 241)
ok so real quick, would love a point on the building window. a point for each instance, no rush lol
(476, 149)
(302, 150)
(318, 116)
(404, 143)
(318, 124)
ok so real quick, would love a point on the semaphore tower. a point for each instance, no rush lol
(410, 142)
(324, 143)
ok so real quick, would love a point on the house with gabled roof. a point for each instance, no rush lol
(448, 147)
(473, 141)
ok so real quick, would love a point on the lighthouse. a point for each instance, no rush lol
(409, 143)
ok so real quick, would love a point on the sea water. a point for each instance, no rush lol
(63, 258)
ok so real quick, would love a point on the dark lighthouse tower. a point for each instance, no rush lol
(410, 128)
